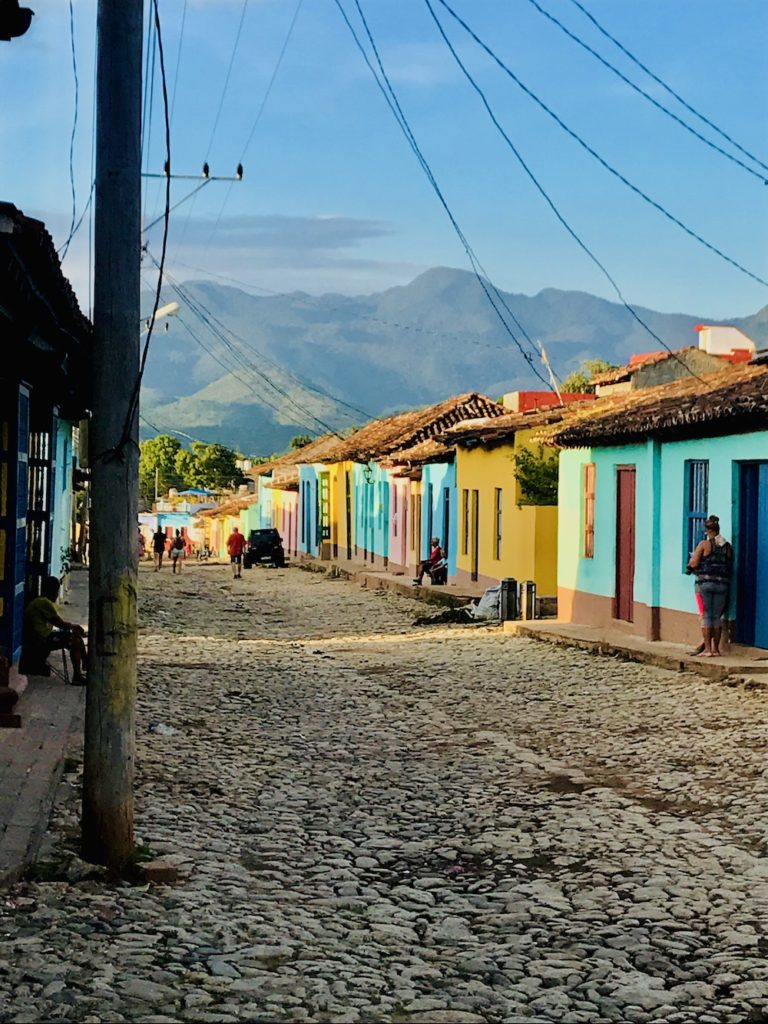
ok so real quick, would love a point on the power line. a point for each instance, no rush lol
(259, 112)
(545, 195)
(668, 88)
(397, 112)
(133, 406)
(217, 328)
(638, 89)
(178, 59)
(175, 205)
(227, 77)
(592, 152)
(65, 247)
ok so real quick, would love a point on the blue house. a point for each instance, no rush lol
(638, 476)
(43, 394)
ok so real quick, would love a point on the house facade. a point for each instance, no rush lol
(43, 396)
(638, 477)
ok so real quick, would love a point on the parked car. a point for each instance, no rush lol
(265, 547)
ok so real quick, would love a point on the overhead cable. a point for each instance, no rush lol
(392, 102)
(259, 112)
(642, 92)
(65, 247)
(593, 153)
(668, 88)
(545, 195)
(227, 77)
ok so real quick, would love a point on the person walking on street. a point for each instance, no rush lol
(158, 548)
(235, 547)
(177, 552)
(712, 563)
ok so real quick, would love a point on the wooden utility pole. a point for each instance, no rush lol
(113, 442)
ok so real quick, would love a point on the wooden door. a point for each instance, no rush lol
(752, 555)
(474, 534)
(624, 605)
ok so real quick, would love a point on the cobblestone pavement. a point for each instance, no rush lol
(382, 822)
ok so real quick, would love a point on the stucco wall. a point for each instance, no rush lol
(529, 532)
(442, 477)
(660, 580)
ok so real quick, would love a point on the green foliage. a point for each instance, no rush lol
(157, 465)
(301, 440)
(580, 381)
(537, 474)
(162, 460)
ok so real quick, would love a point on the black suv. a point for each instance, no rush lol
(264, 547)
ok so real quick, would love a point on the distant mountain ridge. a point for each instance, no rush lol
(403, 347)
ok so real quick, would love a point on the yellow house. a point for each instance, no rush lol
(502, 531)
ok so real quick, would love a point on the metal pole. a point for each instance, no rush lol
(110, 707)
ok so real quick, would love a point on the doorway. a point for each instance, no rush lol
(752, 557)
(474, 534)
(624, 604)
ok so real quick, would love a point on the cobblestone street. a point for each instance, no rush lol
(377, 821)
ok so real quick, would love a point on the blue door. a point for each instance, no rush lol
(752, 555)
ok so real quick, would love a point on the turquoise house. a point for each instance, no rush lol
(439, 509)
(638, 477)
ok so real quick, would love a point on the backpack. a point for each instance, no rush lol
(178, 543)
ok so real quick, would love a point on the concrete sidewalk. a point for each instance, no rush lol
(449, 595)
(746, 666)
(32, 757)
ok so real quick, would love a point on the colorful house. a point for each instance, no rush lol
(43, 394)
(638, 476)
(374, 511)
(504, 531)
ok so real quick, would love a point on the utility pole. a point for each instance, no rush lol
(113, 442)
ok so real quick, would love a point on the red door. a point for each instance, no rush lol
(625, 543)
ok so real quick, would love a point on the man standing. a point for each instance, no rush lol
(235, 547)
(158, 547)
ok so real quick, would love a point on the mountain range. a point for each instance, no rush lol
(253, 371)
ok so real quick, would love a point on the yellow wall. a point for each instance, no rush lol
(528, 532)
(338, 492)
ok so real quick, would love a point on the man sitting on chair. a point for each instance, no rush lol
(45, 631)
(429, 565)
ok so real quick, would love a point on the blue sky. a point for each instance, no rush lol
(333, 199)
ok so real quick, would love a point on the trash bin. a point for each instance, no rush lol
(509, 604)
(528, 599)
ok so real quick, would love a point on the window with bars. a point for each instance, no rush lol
(696, 501)
(497, 521)
(589, 510)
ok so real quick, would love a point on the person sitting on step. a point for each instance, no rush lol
(433, 565)
(45, 631)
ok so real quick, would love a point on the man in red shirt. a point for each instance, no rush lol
(235, 547)
(436, 556)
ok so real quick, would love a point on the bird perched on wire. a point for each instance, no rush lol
(14, 20)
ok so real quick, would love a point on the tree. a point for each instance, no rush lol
(301, 440)
(157, 464)
(580, 381)
(215, 467)
(537, 474)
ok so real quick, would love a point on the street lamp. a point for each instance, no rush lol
(171, 309)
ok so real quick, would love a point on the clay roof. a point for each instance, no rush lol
(501, 428)
(421, 453)
(621, 373)
(311, 452)
(732, 401)
(382, 437)
(230, 507)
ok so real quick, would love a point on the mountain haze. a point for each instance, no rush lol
(403, 347)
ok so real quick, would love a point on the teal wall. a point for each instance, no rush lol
(62, 496)
(442, 476)
(660, 510)
(372, 505)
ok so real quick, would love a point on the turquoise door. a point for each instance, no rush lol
(752, 555)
